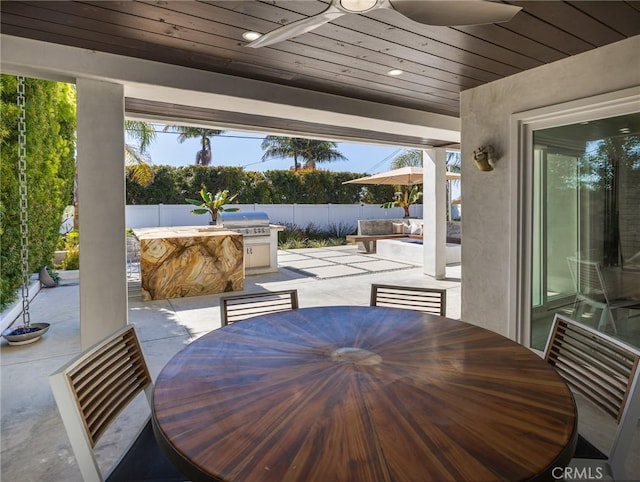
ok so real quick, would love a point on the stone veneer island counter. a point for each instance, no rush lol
(176, 262)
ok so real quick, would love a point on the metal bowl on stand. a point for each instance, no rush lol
(37, 330)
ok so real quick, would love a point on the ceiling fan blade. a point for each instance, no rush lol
(297, 28)
(455, 12)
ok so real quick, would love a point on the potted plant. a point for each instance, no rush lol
(212, 204)
(404, 199)
(48, 277)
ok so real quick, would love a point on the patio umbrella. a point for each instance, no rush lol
(405, 176)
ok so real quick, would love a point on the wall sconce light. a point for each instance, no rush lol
(485, 156)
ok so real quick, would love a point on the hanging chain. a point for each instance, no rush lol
(24, 214)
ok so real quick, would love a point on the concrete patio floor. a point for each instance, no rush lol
(34, 444)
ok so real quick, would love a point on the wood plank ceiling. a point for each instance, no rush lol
(349, 56)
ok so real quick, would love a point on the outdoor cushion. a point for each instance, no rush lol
(415, 228)
(397, 228)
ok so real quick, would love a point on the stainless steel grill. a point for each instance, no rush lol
(260, 240)
(245, 223)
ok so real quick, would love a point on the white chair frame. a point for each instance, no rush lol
(607, 372)
(90, 394)
(589, 281)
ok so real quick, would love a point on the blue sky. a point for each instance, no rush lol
(243, 149)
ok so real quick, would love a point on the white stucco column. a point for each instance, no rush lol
(101, 203)
(434, 212)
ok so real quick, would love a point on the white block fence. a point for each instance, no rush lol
(321, 215)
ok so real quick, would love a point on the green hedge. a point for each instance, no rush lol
(51, 124)
(171, 185)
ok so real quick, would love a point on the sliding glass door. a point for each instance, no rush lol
(586, 226)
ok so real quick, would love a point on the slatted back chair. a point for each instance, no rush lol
(92, 390)
(427, 300)
(606, 372)
(239, 307)
(590, 290)
(587, 278)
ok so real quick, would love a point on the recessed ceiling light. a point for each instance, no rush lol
(395, 72)
(624, 130)
(251, 36)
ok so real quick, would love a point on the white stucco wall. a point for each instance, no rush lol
(101, 194)
(487, 251)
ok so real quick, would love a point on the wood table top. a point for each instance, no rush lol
(346, 393)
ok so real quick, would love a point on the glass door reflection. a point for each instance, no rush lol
(586, 226)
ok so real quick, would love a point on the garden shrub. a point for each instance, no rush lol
(72, 247)
(286, 187)
(172, 185)
(318, 243)
(50, 154)
(341, 229)
(311, 236)
(336, 241)
(162, 190)
(72, 259)
(314, 232)
(291, 233)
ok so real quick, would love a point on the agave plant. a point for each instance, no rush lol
(404, 199)
(212, 204)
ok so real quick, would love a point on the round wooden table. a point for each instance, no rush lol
(348, 393)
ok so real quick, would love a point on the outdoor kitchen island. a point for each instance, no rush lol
(176, 262)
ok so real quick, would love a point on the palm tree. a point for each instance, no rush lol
(453, 163)
(310, 151)
(276, 147)
(320, 151)
(413, 157)
(136, 156)
(408, 158)
(203, 156)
